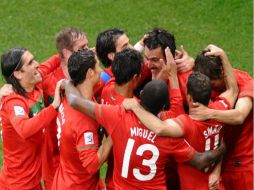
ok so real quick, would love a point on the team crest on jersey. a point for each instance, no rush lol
(19, 111)
(88, 136)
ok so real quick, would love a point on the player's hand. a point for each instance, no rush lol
(169, 67)
(213, 50)
(183, 61)
(130, 103)
(199, 112)
(214, 181)
(6, 90)
(57, 97)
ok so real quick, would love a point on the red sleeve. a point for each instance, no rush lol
(87, 146)
(25, 126)
(49, 65)
(182, 79)
(246, 90)
(185, 123)
(181, 150)
(176, 105)
(220, 103)
(108, 116)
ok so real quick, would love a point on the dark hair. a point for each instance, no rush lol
(126, 64)
(105, 44)
(210, 66)
(11, 61)
(160, 38)
(155, 96)
(67, 38)
(199, 87)
(79, 63)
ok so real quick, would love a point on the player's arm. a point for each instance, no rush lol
(205, 159)
(231, 92)
(176, 101)
(25, 126)
(161, 128)
(234, 116)
(104, 151)
(214, 177)
(49, 65)
(77, 102)
(91, 156)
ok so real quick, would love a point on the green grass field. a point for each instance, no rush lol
(195, 24)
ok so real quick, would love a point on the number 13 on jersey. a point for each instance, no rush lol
(151, 163)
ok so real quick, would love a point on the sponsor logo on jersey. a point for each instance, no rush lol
(19, 111)
(88, 136)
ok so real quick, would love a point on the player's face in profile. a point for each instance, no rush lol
(122, 43)
(152, 59)
(29, 74)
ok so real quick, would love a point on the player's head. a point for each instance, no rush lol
(127, 66)
(20, 69)
(155, 44)
(199, 88)
(211, 66)
(110, 42)
(70, 40)
(154, 96)
(83, 65)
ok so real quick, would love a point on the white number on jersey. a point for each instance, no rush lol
(151, 163)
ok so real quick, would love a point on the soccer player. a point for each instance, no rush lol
(139, 155)
(108, 43)
(237, 168)
(80, 152)
(203, 136)
(67, 41)
(126, 68)
(23, 119)
(154, 53)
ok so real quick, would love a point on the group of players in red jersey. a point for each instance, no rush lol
(64, 147)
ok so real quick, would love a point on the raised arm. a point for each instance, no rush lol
(231, 92)
(49, 65)
(161, 128)
(234, 116)
(77, 102)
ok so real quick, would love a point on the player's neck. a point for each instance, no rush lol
(86, 89)
(124, 90)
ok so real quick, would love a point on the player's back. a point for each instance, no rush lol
(140, 156)
(203, 136)
(71, 174)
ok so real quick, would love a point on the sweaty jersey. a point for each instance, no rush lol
(79, 164)
(139, 155)
(203, 136)
(22, 122)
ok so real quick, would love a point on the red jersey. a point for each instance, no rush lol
(139, 155)
(22, 122)
(203, 136)
(79, 164)
(50, 150)
(239, 139)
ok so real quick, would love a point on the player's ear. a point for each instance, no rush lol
(17, 74)
(89, 73)
(111, 56)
